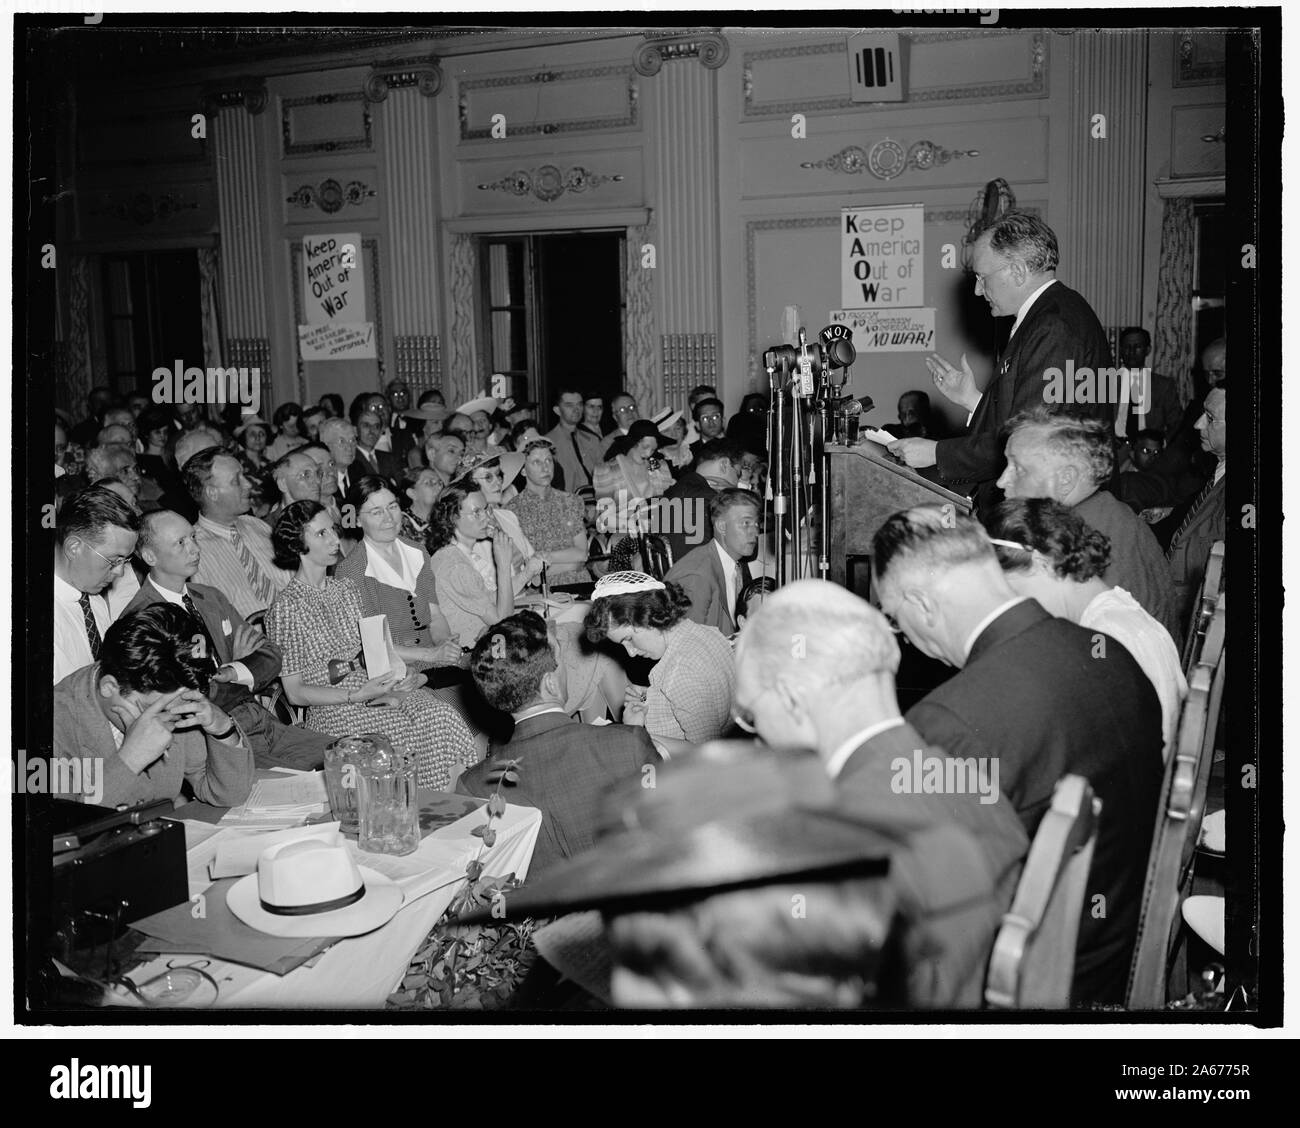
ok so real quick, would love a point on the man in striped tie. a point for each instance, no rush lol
(94, 539)
(1206, 519)
(236, 556)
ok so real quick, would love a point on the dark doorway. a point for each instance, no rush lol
(552, 312)
(152, 316)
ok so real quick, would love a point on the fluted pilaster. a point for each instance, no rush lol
(1106, 196)
(410, 168)
(239, 205)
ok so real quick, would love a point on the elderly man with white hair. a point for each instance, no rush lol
(1070, 460)
(815, 669)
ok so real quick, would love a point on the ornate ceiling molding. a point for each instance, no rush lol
(548, 183)
(330, 196)
(247, 92)
(424, 74)
(887, 159)
(710, 48)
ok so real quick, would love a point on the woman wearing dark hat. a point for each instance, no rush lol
(254, 434)
(430, 416)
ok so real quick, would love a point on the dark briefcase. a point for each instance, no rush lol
(113, 867)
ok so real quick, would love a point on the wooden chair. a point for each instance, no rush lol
(657, 553)
(1032, 964)
(1178, 823)
(1203, 612)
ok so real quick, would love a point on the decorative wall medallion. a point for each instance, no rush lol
(710, 48)
(143, 208)
(887, 159)
(548, 183)
(330, 196)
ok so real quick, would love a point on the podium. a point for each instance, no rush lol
(866, 489)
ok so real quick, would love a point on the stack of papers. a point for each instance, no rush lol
(289, 801)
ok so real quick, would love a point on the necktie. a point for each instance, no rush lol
(259, 582)
(92, 628)
(1191, 513)
(577, 453)
(201, 628)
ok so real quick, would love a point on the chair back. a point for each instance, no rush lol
(1178, 822)
(1203, 612)
(658, 554)
(1032, 965)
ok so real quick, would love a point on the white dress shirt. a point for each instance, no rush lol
(728, 575)
(378, 568)
(71, 646)
(841, 755)
(1119, 615)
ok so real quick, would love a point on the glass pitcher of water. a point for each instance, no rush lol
(341, 760)
(388, 811)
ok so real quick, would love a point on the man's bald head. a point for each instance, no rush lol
(1214, 360)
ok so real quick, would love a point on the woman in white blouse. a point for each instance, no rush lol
(1051, 554)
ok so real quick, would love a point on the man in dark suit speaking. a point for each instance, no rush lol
(1043, 696)
(1055, 356)
(564, 767)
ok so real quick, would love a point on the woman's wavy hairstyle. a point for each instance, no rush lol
(286, 537)
(1075, 550)
(445, 514)
(657, 610)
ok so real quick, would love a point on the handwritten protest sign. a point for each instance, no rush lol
(337, 342)
(881, 254)
(877, 331)
(334, 300)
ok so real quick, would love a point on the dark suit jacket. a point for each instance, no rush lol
(1190, 549)
(389, 467)
(1059, 327)
(565, 767)
(1033, 694)
(694, 495)
(1178, 474)
(700, 574)
(1164, 413)
(958, 893)
(221, 619)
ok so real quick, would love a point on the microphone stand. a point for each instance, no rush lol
(776, 471)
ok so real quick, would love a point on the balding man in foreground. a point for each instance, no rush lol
(1070, 460)
(1037, 694)
(815, 669)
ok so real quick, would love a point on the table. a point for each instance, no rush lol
(359, 972)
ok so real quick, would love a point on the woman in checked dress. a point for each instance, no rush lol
(315, 622)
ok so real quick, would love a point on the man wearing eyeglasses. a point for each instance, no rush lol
(714, 574)
(298, 478)
(94, 538)
(1055, 332)
(624, 409)
(710, 422)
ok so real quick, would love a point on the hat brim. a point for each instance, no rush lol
(429, 413)
(483, 403)
(640, 870)
(378, 905)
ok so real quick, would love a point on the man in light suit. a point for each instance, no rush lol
(1014, 261)
(838, 698)
(243, 660)
(715, 574)
(1205, 521)
(565, 767)
(1038, 694)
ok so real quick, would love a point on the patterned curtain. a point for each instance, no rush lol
(210, 309)
(77, 376)
(1175, 344)
(460, 381)
(639, 324)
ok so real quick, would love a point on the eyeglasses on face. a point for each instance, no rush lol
(114, 562)
(380, 510)
(744, 719)
(981, 279)
(626, 409)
